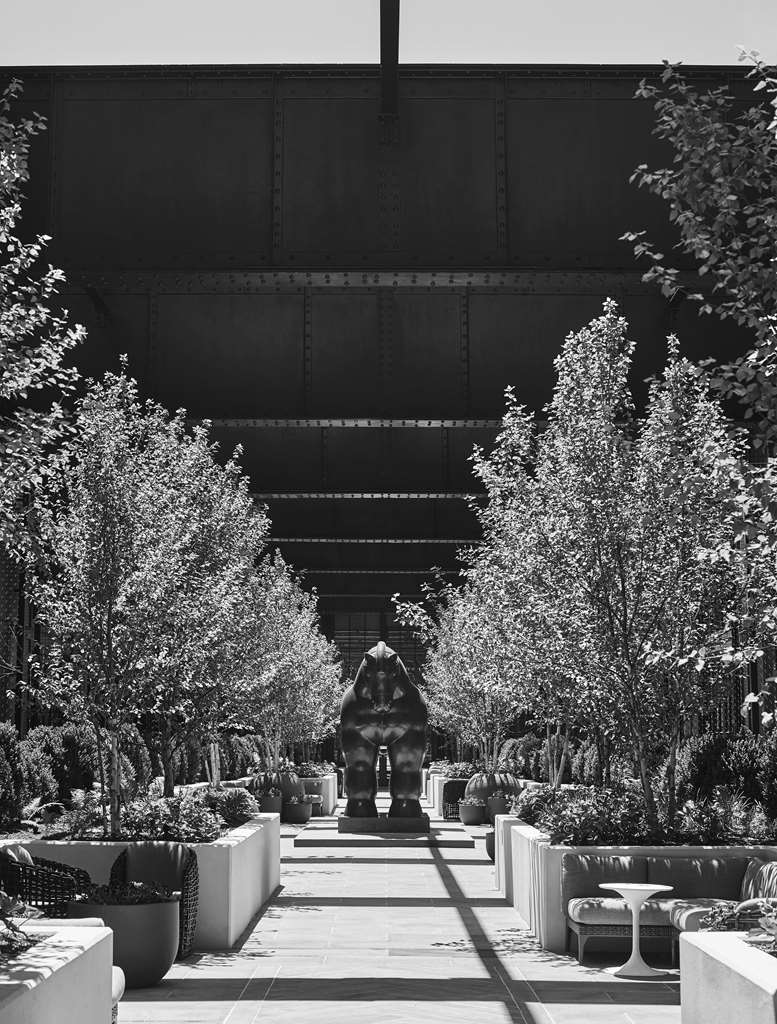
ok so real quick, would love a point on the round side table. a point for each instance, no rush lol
(635, 894)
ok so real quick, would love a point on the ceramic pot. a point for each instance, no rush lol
(490, 844)
(497, 805)
(483, 784)
(145, 937)
(297, 814)
(271, 804)
(471, 814)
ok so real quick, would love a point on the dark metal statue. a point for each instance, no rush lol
(383, 707)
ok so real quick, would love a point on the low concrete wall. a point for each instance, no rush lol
(537, 875)
(238, 874)
(438, 781)
(723, 979)
(503, 853)
(65, 978)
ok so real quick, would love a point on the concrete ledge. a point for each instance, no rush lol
(66, 978)
(383, 825)
(326, 786)
(724, 979)
(503, 853)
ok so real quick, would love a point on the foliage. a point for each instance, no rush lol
(593, 816)
(84, 815)
(721, 189)
(314, 769)
(236, 805)
(191, 821)
(71, 751)
(531, 803)
(35, 337)
(127, 894)
(11, 775)
(13, 938)
(459, 770)
(38, 779)
(289, 687)
(472, 801)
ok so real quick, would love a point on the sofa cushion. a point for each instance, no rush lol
(581, 873)
(609, 910)
(764, 881)
(686, 915)
(699, 877)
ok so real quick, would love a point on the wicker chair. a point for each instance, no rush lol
(45, 884)
(173, 865)
(452, 792)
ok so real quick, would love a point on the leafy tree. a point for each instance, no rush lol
(289, 688)
(144, 546)
(721, 190)
(35, 336)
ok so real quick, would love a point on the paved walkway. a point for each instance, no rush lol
(407, 934)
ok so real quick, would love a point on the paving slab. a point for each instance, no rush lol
(403, 931)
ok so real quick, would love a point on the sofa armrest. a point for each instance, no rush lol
(763, 903)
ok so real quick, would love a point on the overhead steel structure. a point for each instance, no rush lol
(344, 267)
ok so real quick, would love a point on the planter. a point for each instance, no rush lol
(497, 805)
(724, 979)
(271, 804)
(238, 873)
(483, 784)
(490, 843)
(471, 814)
(504, 825)
(324, 786)
(65, 978)
(145, 937)
(297, 814)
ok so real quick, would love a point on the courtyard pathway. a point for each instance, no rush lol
(402, 934)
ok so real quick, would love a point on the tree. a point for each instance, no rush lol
(290, 687)
(144, 545)
(722, 195)
(35, 337)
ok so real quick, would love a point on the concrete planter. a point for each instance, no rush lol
(503, 860)
(536, 871)
(66, 978)
(238, 874)
(723, 979)
(145, 937)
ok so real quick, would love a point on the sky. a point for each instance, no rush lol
(63, 32)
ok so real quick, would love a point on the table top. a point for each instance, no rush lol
(646, 887)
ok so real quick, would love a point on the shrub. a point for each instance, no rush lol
(136, 762)
(701, 765)
(85, 813)
(238, 755)
(524, 757)
(11, 774)
(597, 816)
(459, 770)
(191, 821)
(236, 806)
(767, 773)
(128, 894)
(146, 819)
(531, 804)
(38, 781)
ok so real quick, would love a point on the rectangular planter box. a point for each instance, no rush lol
(438, 781)
(63, 979)
(503, 853)
(326, 785)
(238, 874)
(722, 979)
(537, 875)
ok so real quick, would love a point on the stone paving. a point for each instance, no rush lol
(396, 934)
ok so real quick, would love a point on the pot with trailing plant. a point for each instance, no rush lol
(498, 803)
(297, 810)
(144, 919)
(471, 810)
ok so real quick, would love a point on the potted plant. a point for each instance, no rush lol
(297, 810)
(471, 810)
(271, 801)
(144, 919)
(491, 844)
(498, 803)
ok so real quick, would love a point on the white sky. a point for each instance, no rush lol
(346, 31)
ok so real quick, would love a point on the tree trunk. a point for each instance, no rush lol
(115, 786)
(647, 789)
(671, 774)
(101, 770)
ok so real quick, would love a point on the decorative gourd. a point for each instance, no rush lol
(482, 785)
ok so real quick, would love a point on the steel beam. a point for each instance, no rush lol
(389, 59)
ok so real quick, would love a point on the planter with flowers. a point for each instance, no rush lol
(297, 810)
(471, 810)
(271, 801)
(144, 919)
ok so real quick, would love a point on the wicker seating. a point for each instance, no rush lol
(173, 865)
(45, 884)
(452, 792)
